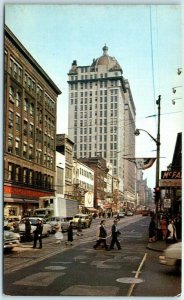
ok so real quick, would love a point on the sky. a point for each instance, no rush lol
(145, 39)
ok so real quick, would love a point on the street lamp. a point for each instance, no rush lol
(174, 100)
(157, 141)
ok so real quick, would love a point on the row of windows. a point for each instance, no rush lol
(100, 146)
(91, 76)
(16, 70)
(15, 96)
(28, 176)
(27, 152)
(96, 93)
(85, 130)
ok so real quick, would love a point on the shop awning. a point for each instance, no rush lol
(18, 200)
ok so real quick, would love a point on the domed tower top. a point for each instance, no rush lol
(107, 60)
(105, 50)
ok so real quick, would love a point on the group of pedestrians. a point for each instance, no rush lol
(167, 229)
(102, 236)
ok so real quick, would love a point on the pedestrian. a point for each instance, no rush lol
(58, 234)
(171, 237)
(163, 227)
(102, 236)
(178, 225)
(27, 230)
(152, 230)
(16, 226)
(79, 227)
(38, 234)
(115, 233)
(70, 234)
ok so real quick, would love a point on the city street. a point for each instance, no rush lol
(79, 270)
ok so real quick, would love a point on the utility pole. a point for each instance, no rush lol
(158, 153)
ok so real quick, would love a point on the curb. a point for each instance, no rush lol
(150, 247)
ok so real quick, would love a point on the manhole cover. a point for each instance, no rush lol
(55, 268)
(129, 280)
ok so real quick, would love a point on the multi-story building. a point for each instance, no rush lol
(83, 186)
(30, 99)
(65, 146)
(102, 117)
(100, 168)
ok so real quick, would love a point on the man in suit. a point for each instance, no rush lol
(38, 233)
(102, 236)
(115, 233)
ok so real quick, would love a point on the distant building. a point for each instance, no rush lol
(102, 118)
(29, 129)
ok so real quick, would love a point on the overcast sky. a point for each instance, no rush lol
(146, 40)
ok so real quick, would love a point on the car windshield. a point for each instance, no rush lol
(32, 221)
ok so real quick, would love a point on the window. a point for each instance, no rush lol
(24, 175)
(31, 130)
(10, 119)
(26, 104)
(31, 109)
(10, 144)
(25, 127)
(25, 150)
(11, 93)
(17, 99)
(10, 171)
(17, 147)
(17, 173)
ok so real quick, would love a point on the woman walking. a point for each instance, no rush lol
(70, 234)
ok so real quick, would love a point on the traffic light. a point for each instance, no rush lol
(156, 193)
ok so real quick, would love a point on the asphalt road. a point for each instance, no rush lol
(79, 270)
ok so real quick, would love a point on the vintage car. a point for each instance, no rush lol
(33, 221)
(172, 255)
(11, 239)
(85, 220)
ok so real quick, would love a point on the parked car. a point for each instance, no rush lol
(121, 215)
(85, 220)
(172, 256)
(64, 222)
(11, 239)
(9, 222)
(129, 213)
(145, 212)
(33, 220)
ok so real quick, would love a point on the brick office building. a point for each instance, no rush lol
(30, 102)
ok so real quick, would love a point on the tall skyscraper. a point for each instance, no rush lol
(102, 117)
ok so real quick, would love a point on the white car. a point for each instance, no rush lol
(33, 220)
(11, 239)
(172, 256)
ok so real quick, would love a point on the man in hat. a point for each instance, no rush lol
(115, 232)
(38, 233)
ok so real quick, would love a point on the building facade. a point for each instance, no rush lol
(102, 116)
(83, 186)
(64, 145)
(30, 102)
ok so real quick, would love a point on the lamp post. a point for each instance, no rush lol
(157, 141)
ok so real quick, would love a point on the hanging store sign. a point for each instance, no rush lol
(170, 182)
(171, 175)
